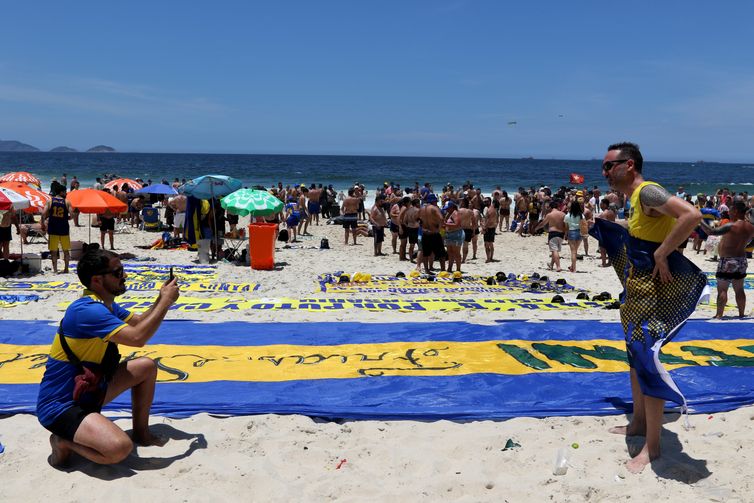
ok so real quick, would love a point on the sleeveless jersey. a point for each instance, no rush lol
(58, 223)
(645, 227)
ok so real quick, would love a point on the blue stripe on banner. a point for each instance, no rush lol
(478, 397)
(262, 334)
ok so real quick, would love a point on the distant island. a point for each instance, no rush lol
(101, 148)
(16, 146)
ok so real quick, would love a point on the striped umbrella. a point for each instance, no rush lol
(22, 177)
(120, 181)
(257, 203)
(11, 200)
(37, 198)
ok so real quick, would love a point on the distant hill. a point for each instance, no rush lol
(63, 149)
(101, 148)
(16, 146)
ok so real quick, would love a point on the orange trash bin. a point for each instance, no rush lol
(262, 245)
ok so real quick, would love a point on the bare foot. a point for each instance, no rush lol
(60, 453)
(637, 464)
(148, 439)
(629, 430)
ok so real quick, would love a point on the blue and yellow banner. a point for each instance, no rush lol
(131, 286)
(185, 303)
(407, 370)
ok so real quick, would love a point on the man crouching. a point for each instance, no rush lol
(84, 370)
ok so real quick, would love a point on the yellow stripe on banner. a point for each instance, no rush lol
(197, 286)
(25, 364)
(139, 304)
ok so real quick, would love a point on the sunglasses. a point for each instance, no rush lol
(118, 273)
(608, 165)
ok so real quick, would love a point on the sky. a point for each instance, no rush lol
(548, 79)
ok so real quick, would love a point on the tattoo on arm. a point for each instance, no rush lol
(652, 196)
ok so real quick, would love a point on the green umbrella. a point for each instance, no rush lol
(256, 203)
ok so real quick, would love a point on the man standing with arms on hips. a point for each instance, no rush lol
(662, 289)
(90, 332)
(55, 218)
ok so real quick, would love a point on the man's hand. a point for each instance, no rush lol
(662, 269)
(169, 292)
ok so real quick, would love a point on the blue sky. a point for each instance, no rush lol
(382, 78)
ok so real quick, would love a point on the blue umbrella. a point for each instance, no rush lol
(157, 188)
(210, 186)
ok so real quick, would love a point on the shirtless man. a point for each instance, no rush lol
(432, 245)
(178, 203)
(350, 210)
(411, 218)
(490, 226)
(305, 218)
(403, 234)
(733, 263)
(395, 228)
(378, 218)
(466, 216)
(607, 214)
(554, 221)
(505, 211)
(313, 206)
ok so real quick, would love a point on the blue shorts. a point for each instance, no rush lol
(574, 235)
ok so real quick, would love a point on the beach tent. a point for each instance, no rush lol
(22, 177)
(95, 201)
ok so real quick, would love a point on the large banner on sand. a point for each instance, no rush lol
(400, 370)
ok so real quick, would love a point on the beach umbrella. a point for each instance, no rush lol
(120, 181)
(95, 201)
(37, 198)
(209, 187)
(157, 188)
(22, 177)
(11, 200)
(257, 203)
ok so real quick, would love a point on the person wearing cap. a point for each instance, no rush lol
(454, 236)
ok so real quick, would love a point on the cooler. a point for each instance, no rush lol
(262, 245)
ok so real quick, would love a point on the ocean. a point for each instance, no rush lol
(372, 171)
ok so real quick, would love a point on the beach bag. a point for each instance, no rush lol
(283, 235)
(90, 383)
(324, 244)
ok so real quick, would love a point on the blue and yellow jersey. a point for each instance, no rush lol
(57, 224)
(87, 326)
(643, 226)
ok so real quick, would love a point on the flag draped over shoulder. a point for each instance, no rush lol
(651, 312)
(192, 228)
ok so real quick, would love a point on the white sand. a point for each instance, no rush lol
(295, 458)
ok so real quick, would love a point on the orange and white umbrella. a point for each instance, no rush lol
(22, 177)
(37, 198)
(120, 181)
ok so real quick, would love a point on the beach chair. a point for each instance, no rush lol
(150, 219)
(122, 226)
(35, 236)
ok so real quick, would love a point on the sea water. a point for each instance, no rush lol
(372, 171)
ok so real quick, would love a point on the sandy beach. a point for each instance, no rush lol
(297, 458)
